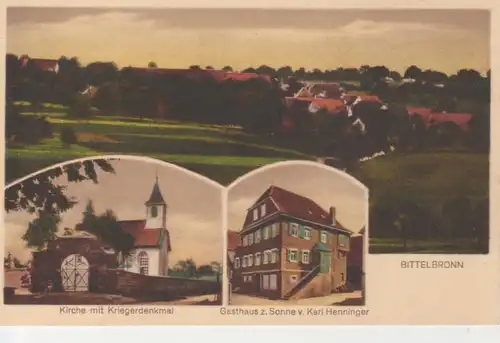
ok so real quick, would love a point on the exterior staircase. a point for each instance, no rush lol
(302, 283)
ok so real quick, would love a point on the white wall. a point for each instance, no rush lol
(154, 261)
(157, 222)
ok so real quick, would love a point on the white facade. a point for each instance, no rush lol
(156, 217)
(148, 258)
(153, 259)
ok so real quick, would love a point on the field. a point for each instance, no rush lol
(429, 179)
(219, 153)
(223, 154)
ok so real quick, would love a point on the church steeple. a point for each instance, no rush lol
(156, 198)
(156, 208)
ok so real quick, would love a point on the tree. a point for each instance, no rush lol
(285, 72)
(108, 229)
(228, 69)
(41, 230)
(395, 75)
(152, 64)
(68, 136)
(204, 270)
(17, 263)
(89, 216)
(39, 194)
(195, 67)
(188, 267)
(7, 261)
(413, 72)
(216, 268)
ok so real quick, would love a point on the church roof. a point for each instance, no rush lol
(156, 198)
(143, 237)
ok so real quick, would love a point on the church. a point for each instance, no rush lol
(152, 240)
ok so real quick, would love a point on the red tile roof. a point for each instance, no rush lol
(233, 240)
(295, 205)
(150, 237)
(333, 106)
(42, 63)
(218, 75)
(431, 118)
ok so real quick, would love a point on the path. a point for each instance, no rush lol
(243, 300)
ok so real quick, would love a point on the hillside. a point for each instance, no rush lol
(220, 153)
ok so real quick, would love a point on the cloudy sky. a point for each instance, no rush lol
(325, 186)
(446, 40)
(194, 208)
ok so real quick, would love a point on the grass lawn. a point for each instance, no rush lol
(220, 153)
(429, 179)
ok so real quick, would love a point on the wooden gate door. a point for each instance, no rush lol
(75, 273)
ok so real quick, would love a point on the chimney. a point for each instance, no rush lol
(333, 215)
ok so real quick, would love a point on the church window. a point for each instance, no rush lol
(143, 262)
(154, 212)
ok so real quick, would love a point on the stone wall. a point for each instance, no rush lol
(116, 281)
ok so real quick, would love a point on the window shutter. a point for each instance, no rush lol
(288, 255)
(330, 237)
(299, 256)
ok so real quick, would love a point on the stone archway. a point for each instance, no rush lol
(75, 273)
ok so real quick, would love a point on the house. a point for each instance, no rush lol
(431, 117)
(328, 90)
(300, 110)
(42, 64)
(290, 248)
(152, 239)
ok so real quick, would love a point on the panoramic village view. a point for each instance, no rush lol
(398, 99)
(296, 243)
(113, 232)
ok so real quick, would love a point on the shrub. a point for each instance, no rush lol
(68, 136)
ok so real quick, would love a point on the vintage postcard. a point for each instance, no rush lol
(309, 164)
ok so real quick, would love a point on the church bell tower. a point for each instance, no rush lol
(156, 209)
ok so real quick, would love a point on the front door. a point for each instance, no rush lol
(256, 280)
(325, 261)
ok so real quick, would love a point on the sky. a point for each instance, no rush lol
(324, 185)
(194, 218)
(444, 40)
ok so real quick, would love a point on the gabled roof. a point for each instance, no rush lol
(295, 205)
(150, 237)
(156, 198)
